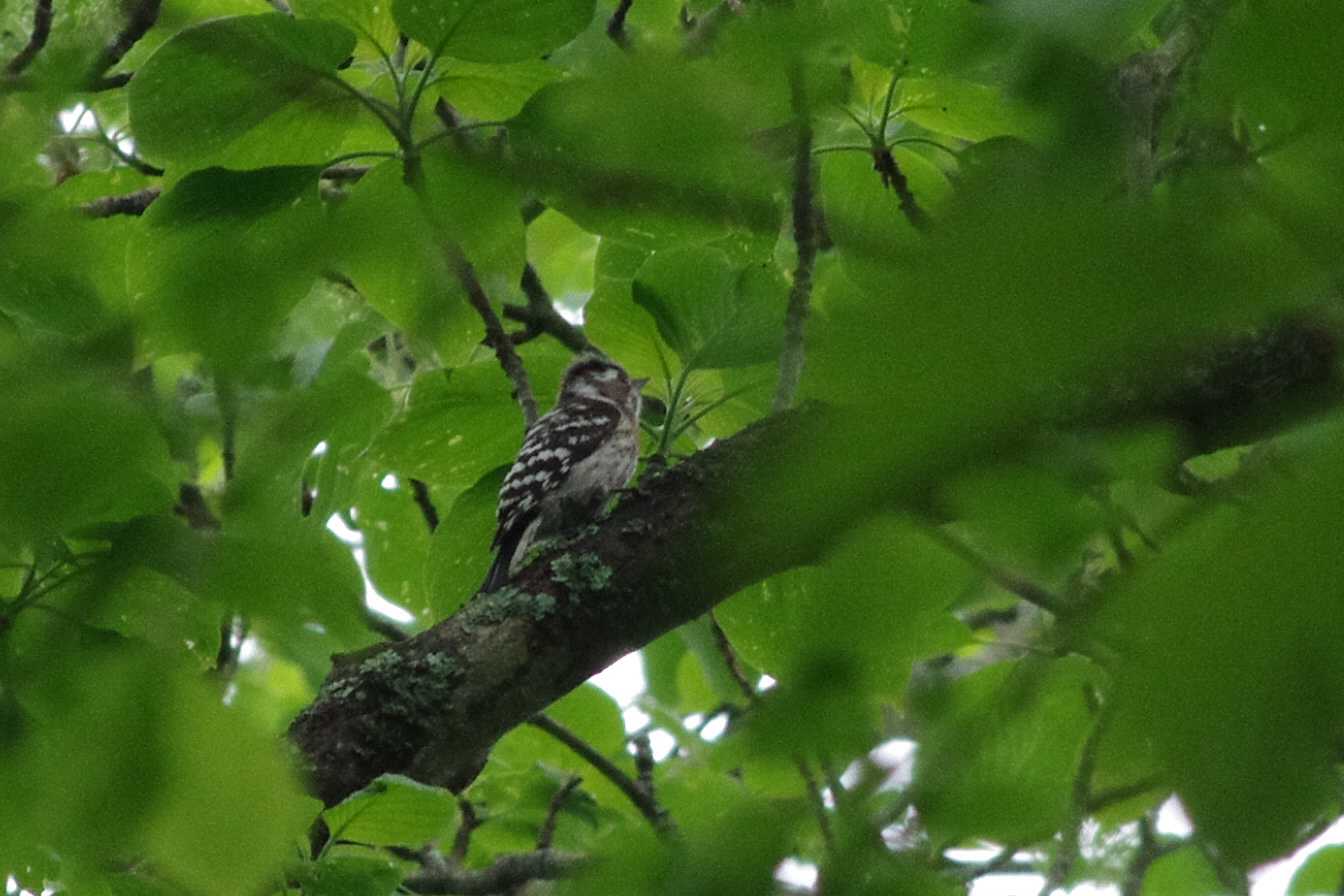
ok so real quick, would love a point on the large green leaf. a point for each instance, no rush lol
(882, 599)
(392, 247)
(493, 30)
(492, 92)
(1001, 750)
(648, 152)
(220, 259)
(1229, 643)
(76, 449)
(244, 91)
(459, 554)
(145, 736)
(711, 314)
(394, 811)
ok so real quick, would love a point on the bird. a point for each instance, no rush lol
(572, 460)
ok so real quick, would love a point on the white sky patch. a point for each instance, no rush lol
(796, 874)
(390, 482)
(1171, 819)
(623, 679)
(1273, 879)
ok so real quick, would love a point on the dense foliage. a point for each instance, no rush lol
(275, 284)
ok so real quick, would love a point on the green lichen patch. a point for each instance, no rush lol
(581, 573)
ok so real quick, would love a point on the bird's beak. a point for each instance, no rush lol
(640, 384)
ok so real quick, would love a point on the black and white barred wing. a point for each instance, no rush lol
(553, 446)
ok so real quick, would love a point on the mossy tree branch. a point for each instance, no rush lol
(747, 508)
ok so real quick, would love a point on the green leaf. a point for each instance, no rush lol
(709, 313)
(244, 91)
(1239, 703)
(68, 292)
(371, 20)
(457, 426)
(1002, 749)
(964, 109)
(459, 553)
(154, 782)
(259, 236)
(593, 716)
(344, 871)
(1185, 872)
(394, 253)
(493, 30)
(1321, 874)
(492, 92)
(76, 449)
(648, 153)
(394, 811)
(882, 599)
(396, 541)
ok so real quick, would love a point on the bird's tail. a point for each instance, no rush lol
(499, 570)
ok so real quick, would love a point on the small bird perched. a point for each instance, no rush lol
(571, 461)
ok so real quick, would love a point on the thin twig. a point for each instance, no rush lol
(1001, 861)
(1007, 580)
(731, 661)
(805, 238)
(616, 24)
(817, 800)
(470, 822)
(37, 39)
(232, 634)
(345, 173)
(422, 500)
(129, 204)
(804, 770)
(645, 803)
(495, 336)
(540, 316)
(383, 626)
(1067, 854)
(506, 872)
(644, 764)
(547, 832)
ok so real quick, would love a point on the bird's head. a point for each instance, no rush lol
(592, 376)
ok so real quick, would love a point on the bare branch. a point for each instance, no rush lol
(37, 39)
(425, 503)
(128, 204)
(547, 832)
(495, 337)
(470, 822)
(1145, 83)
(616, 24)
(506, 872)
(142, 18)
(645, 803)
(805, 238)
(540, 316)
(1006, 579)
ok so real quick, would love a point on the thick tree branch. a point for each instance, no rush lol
(747, 508)
(508, 871)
